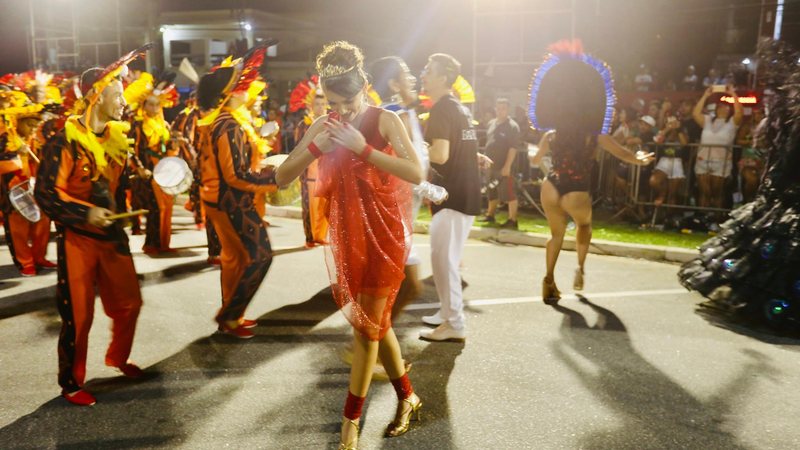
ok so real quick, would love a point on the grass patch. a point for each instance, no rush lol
(609, 231)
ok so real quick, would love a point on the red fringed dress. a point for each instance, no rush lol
(368, 216)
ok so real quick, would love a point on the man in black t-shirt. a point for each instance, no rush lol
(502, 144)
(454, 165)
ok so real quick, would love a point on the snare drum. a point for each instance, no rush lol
(173, 175)
(287, 195)
(21, 197)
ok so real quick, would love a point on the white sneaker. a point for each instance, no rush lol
(434, 320)
(443, 332)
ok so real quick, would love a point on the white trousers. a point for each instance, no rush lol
(449, 231)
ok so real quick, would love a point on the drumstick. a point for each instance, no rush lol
(124, 215)
(33, 155)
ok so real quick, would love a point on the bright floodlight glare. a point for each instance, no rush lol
(746, 61)
(162, 29)
(247, 26)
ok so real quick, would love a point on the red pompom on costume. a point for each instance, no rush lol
(368, 215)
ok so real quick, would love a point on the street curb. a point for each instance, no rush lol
(599, 246)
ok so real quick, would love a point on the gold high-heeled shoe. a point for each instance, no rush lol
(577, 283)
(550, 292)
(353, 444)
(402, 421)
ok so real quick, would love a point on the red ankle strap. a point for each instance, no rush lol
(402, 386)
(353, 405)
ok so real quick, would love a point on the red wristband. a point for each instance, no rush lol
(314, 150)
(366, 152)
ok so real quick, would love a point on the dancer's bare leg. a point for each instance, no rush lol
(557, 220)
(365, 353)
(410, 289)
(390, 355)
(579, 206)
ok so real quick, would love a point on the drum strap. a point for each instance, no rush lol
(211, 204)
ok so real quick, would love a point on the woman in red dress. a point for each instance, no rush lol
(366, 161)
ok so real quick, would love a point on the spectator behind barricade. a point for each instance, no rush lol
(638, 107)
(751, 164)
(665, 110)
(690, 80)
(712, 78)
(622, 128)
(714, 159)
(640, 137)
(668, 176)
(643, 80)
(653, 108)
(688, 124)
(622, 131)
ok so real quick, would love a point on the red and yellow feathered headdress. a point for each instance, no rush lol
(116, 141)
(304, 93)
(246, 71)
(146, 85)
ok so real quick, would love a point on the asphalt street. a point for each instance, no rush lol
(632, 364)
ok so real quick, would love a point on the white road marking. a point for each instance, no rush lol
(592, 296)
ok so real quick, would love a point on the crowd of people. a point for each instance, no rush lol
(708, 157)
(96, 144)
(698, 143)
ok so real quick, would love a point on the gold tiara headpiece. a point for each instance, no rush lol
(332, 70)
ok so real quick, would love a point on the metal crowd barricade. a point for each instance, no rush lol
(639, 192)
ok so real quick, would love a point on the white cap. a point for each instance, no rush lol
(648, 120)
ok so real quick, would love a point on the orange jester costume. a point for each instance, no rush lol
(185, 125)
(27, 240)
(151, 134)
(230, 186)
(82, 180)
(314, 208)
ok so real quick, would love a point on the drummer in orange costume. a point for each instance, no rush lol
(308, 95)
(20, 138)
(81, 183)
(149, 97)
(229, 186)
(184, 127)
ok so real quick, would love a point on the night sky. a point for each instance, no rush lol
(666, 34)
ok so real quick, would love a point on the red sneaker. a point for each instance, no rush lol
(148, 250)
(28, 271)
(239, 332)
(79, 397)
(200, 226)
(214, 260)
(130, 370)
(45, 264)
(247, 323)
(168, 250)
